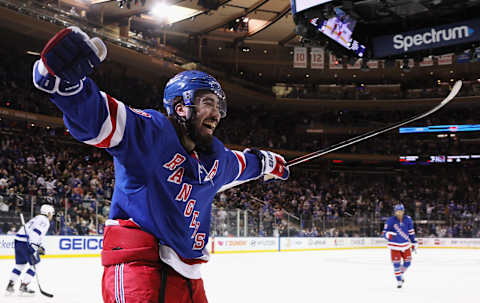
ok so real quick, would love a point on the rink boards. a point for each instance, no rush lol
(245, 245)
(91, 246)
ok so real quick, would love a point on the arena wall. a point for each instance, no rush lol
(91, 246)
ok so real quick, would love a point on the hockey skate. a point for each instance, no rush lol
(25, 291)
(400, 283)
(10, 290)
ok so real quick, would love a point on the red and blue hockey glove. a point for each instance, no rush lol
(414, 246)
(66, 60)
(71, 54)
(274, 166)
(389, 235)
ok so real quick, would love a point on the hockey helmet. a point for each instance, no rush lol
(399, 207)
(186, 83)
(47, 209)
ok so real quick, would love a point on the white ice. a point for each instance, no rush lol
(436, 275)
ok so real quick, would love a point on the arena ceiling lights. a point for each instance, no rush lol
(98, 1)
(169, 14)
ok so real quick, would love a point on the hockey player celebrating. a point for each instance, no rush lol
(400, 234)
(167, 170)
(28, 248)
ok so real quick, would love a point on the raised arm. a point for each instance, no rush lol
(92, 116)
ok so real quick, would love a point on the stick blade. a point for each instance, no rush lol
(46, 294)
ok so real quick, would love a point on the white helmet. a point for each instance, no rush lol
(47, 209)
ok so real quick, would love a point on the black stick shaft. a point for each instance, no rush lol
(376, 132)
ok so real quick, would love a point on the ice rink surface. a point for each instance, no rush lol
(436, 275)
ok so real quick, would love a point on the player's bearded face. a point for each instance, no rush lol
(205, 120)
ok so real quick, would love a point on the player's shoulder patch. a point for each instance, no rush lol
(141, 112)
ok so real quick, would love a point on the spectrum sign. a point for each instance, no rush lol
(427, 38)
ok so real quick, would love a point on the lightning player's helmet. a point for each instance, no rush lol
(185, 84)
(399, 207)
(47, 209)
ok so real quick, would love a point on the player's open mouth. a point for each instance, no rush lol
(210, 125)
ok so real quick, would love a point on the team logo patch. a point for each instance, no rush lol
(141, 112)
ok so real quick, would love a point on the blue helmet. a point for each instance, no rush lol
(186, 83)
(399, 207)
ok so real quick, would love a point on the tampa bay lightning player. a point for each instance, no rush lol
(28, 248)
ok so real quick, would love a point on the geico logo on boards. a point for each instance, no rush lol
(431, 36)
(7, 244)
(80, 244)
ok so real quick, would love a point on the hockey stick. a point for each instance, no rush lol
(456, 88)
(376, 132)
(33, 261)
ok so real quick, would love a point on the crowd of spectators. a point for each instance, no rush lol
(18, 92)
(265, 125)
(47, 166)
(43, 164)
(346, 204)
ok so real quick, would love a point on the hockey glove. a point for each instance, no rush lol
(389, 235)
(66, 60)
(274, 166)
(414, 246)
(41, 250)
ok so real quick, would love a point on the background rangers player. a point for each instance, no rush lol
(28, 248)
(400, 233)
(167, 170)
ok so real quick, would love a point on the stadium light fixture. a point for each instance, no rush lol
(171, 13)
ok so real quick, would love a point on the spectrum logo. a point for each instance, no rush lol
(432, 36)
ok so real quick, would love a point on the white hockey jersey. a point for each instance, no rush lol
(37, 228)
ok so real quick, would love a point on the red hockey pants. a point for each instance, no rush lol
(133, 272)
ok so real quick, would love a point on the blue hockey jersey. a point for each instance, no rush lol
(158, 184)
(399, 234)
